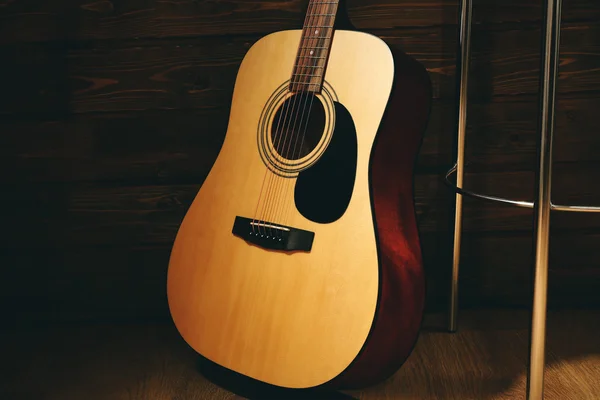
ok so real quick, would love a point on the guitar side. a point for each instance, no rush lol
(402, 288)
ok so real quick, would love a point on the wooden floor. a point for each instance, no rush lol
(486, 359)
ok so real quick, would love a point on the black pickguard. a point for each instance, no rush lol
(323, 191)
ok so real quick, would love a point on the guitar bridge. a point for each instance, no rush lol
(272, 236)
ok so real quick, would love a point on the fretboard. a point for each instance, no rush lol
(309, 68)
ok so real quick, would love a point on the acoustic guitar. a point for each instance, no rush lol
(298, 264)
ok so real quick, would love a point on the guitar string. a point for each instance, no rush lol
(286, 184)
(272, 212)
(289, 129)
(266, 205)
(258, 217)
(321, 39)
(261, 216)
(301, 70)
(293, 131)
(273, 177)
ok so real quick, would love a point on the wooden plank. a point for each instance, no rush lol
(57, 80)
(84, 284)
(129, 283)
(172, 146)
(160, 147)
(503, 62)
(502, 135)
(487, 358)
(496, 270)
(65, 215)
(201, 73)
(72, 20)
(378, 14)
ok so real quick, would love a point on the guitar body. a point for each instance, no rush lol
(343, 307)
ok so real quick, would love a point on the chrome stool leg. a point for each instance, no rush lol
(542, 204)
(463, 74)
(543, 201)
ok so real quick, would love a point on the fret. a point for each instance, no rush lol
(315, 75)
(318, 26)
(310, 86)
(326, 41)
(314, 47)
(308, 37)
(306, 83)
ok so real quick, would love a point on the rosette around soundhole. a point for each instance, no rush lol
(295, 129)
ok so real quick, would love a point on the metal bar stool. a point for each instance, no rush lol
(542, 204)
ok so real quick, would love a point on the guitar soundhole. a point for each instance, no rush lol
(298, 126)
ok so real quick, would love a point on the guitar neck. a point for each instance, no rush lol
(315, 44)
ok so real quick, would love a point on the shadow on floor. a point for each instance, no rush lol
(255, 390)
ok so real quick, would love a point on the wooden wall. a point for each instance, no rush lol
(112, 113)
